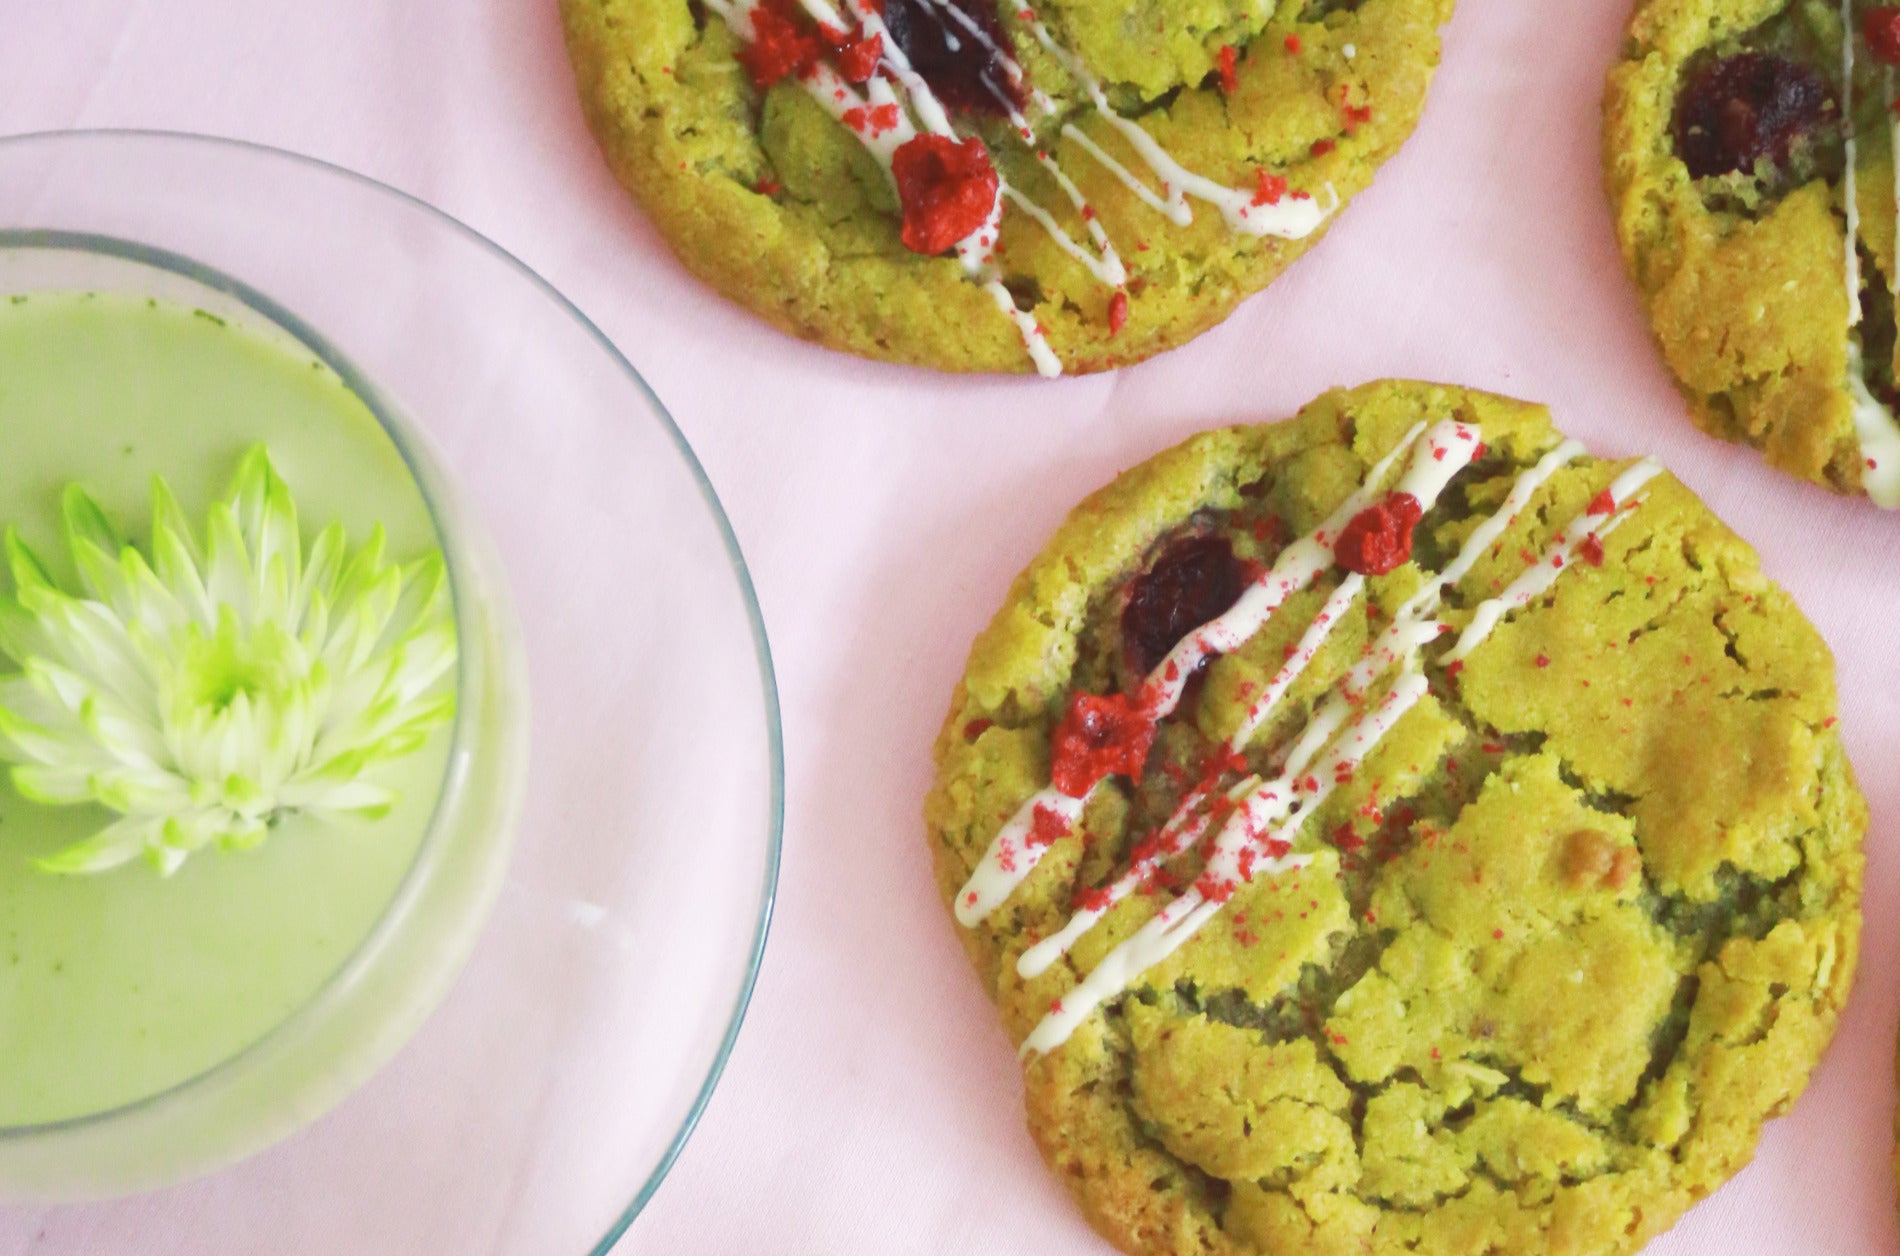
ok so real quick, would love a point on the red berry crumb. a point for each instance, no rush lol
(1603, 504)
(1357, 115)
(1229, 81)
(858, 58)
(1379, 537)
(1267, 188)
(872, 119)
(768, 186)
(1543, 660)
(1322, 147)
(1046, 827)
(781, 45)
(1117, 313)
(1293, 44)
(948, 190)
(1592, 550)
(976, 728)
(1099, 736)
(1882, 28)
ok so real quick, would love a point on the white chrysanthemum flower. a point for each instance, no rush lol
(205, 693)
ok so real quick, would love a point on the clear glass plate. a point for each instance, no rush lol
(542, 1104)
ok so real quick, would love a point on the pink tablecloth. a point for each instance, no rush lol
(872, 1104)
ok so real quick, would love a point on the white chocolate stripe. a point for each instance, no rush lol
(1239, 838)
(1486, 534)
(1852, 266)
(1180, 215)
(1291, 219)
(1446, 449)
(1879, 433)
(1181, 919)
(1010, 857)
(1304, 787)
(1298, 565)
(1411, 626)
(1183, 831)
(1035, 340)
(1449, 448)
(1006, 863)
(1337, 605)
(1560, 555)
(1874, 423)
(1408, 632)
(1142, 950)
(1106, 267)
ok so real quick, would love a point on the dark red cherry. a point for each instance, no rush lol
(964, 68)
(1189, 583)
(1736, 111)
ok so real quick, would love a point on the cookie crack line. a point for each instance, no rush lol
(895, 113)
(1267, 817)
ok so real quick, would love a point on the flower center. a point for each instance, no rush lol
(259, 665)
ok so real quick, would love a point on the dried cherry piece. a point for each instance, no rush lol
(948, 189)
(1192, 581)
(961, 68)
(1742, 109)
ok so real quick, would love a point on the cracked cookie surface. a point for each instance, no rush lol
(1579, 923)
(779, 206)
(1764, 255)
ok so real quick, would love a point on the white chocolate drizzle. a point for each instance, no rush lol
(1874, 422)
(878, 116)
(1448, 450)
(1561, 554)
(1292, 218)
(1409, 630)
(1257, 838)
(1182, 918)
(1009, 858)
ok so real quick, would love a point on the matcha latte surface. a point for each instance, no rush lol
(123, 983)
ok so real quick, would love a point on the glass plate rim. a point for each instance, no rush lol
(754, 613)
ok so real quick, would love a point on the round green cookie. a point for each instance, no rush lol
(1736, 231)
(781, 207)
(1575, 925)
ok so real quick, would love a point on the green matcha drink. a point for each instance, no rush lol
(119, 984)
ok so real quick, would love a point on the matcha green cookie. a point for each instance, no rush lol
(1394, 831)
(1749, 155)
(976, 186)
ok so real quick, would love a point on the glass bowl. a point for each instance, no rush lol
(541, 1104)
(402, 968)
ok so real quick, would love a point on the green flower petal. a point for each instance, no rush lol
(118, 843)
(24, 565)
